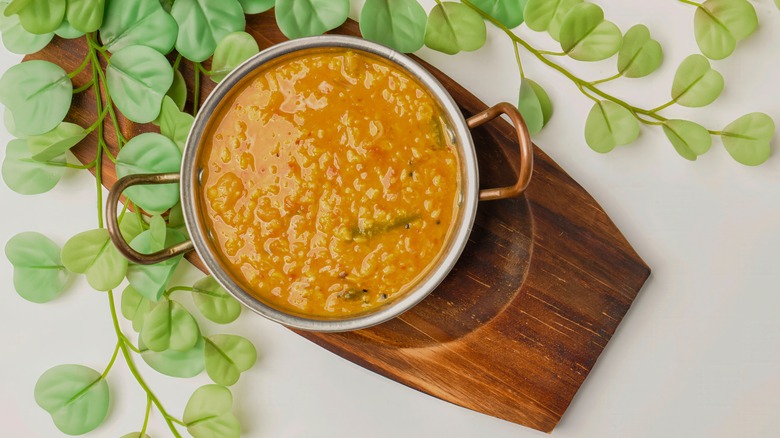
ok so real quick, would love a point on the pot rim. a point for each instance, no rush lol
(436, 272)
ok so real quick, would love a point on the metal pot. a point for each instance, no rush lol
(190, 185)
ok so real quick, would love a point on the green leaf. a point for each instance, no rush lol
(208, 413)
(174, 123)
(696, 83)
(169, 326)
(138, 77)
(203, 24)
(399, 24)
(138, 22)
(67, 31)
(777, 3)
(453, 27)
(508, 12)
(256, 6)
(586, 36)
(135, 307)
(234, 49)
(609, 125)
(227, 356)
(151, 280)
(38, 16)
(535, 105)
(548, 15)
(135, 435)
(178, 90)
(302, 18)
(39, 275)
(150, 153)
(38, 94)
(131, 226)
(183, 364)
(26, 176)
(214, 302)
(56, 142)
(719, 24)
(747, 138)
(640, 55)
(18, 40)
(92, 253)
(689, 139)
(85, 15)
(76, 397)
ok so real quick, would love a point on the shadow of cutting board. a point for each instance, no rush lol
(517, 326)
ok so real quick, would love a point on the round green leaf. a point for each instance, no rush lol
(150, 153)
(256, 6)
(453, 27)
(234, 49)
(131, 226)
(67, 31)
(777, 3)
(76, 397)
(719, 24)
(640, 55)
(138, 77)
(38, 94)
(609, 125)
(27, 176)
(178, 90)
(530, 106)
(56, 142)
(18, 40)
(174, 363)
(174, 123)
(92, 253)
(696, 83)
(38, 16)
(204, 23)
(548, 15)
(227, 356)
(169, 326)
(138, 22)
(586, 36)
(39, 275)
(508, 12)
(399, 24)
(208, 413)
(747, 138)
(151, 280)
(85, 15)
(689, 139)
(544, 101)
(135, 307)
(214, 302)
(302, 18)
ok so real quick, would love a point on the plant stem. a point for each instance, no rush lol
(111, 362)
(203, 69)
(99, 154)
(517, 59)
(667, 104)
(550, 53)
(146, 416)
(177, 61)
(98, 122)
(83, 87)
(177, 421)
(80, 68)
(611, 78)
(108, 153)
(134, 370)
(178, 288)
(688, 2)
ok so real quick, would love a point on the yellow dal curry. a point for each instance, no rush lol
(329, 183)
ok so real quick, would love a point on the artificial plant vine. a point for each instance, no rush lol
(126, 43)
(129, 48)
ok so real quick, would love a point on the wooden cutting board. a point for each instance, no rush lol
(517, 326)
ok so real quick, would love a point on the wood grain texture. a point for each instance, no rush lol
(517, 326)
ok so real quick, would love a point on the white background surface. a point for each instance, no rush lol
(697, 355)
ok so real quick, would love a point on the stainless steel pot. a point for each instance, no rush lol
(199, 234)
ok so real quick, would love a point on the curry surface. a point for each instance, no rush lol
(329, 183)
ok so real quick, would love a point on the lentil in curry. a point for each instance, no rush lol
(329, 183)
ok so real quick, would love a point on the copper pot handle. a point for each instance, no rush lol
(112, 221)
(526, 150)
